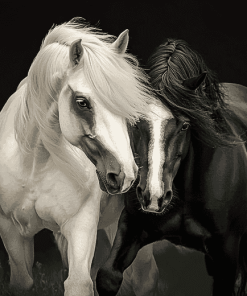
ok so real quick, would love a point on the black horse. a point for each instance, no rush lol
(192, 186)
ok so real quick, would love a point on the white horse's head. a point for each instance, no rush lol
(98, 89)
(87, 122)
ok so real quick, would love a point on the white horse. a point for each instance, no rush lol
(69, 116)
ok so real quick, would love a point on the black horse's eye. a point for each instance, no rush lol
(83, 103)
(185, 126)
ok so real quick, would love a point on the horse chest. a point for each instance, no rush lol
(24, 215)
(59, 199)
(45, 202)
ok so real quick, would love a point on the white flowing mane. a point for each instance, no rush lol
(114, 79)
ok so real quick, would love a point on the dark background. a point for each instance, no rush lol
(216, 29)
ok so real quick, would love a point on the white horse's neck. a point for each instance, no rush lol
(36, 160)
(39, 158)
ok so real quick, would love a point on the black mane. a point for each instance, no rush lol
(173, 62)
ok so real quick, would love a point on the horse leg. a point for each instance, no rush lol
(224, 267)
(102, 251)
(4, 262)
(62, 245)
(125, 247)
(243, 266)
(21, 255)
(141, 275)
(144, 272)
(80, 232)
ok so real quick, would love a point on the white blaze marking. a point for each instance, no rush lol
(156, 154)
(112, 132)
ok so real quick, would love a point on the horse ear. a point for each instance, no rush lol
(75, 52)
(194, 82)
(122, 41)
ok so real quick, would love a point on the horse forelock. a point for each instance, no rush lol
(173, 62)
(116, 84)
(126, 93)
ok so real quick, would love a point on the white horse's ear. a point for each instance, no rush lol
(122, 41)
(75, 52)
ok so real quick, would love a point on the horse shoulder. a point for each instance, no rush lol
(61, 198)
(11, 173)
(11, 166)
(17, 202)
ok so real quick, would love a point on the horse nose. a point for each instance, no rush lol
(143, 196)
(165, 199)
(162, 202)
(130, 178)
(115, 180)
(135, 170)
(153, 204)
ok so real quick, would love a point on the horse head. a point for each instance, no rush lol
(161, 142)
(87, 114)
(161, 145)
(166, 134)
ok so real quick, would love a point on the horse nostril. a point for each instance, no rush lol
(168, 196)
(132, 182)
(165, 200)
(112, 180)
(139, 193)
(143, 197)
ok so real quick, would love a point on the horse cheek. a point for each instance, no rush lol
(176, 167)
(69, 123)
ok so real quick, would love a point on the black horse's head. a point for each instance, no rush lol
(189, 98)
(160, 143)
(191, 105)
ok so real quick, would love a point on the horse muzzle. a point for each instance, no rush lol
(153, 204)
(113, 183)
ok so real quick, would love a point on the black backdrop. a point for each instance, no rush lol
(216, 29)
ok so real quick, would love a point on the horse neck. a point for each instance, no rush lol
(41, 155)
(38, 157)
(184, 177)
(192, 169)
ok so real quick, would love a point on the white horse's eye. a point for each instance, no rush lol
(83, 103)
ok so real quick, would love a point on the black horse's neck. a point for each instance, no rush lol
(188, 184)
(192, 167)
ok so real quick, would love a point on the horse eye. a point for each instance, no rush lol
(82, 103)
(185, 126)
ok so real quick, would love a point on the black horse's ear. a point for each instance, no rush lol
(194, 82)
